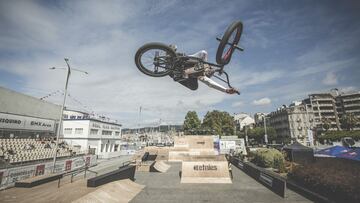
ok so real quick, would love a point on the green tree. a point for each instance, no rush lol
(326, 124)
(192, 123)
(349, 121)
(220, 122)
(258, 134)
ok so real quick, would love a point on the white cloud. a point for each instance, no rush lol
(262, 101)
(114, 86)
(330, 79)
(237, 104)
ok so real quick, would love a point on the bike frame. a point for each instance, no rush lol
(218, 68)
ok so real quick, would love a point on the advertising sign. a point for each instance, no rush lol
(10, 121)
(310, 136)
(226, 146)
(40, 170)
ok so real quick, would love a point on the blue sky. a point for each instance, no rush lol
(292, 48)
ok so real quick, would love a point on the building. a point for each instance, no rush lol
(293, 123)
(330, 107)
(349, 103)
(324, 107)
(259, 119)
(100, 136)
(23, 116)
(242, 120)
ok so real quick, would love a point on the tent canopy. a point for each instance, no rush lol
(296, 146)
(353, 154)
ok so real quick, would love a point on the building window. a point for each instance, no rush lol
(117, 133)
(116, 147)
(72, 117)
(67, 130)
(94, 131)
(66, 116)
(106, 132)
(79, 131)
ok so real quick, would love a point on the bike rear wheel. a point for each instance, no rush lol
(230, 39)
(155, 59)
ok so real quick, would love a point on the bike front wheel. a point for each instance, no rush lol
(155, 59)
(228, 42)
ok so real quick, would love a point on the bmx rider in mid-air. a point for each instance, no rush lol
(190, 76)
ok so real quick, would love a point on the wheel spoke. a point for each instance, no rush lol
(155, 61)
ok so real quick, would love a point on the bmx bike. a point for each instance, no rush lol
(158, 59)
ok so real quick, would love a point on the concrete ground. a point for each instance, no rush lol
(160, 187)
(166, 187)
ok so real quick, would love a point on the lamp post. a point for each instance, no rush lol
(69, 69)
(265, 136)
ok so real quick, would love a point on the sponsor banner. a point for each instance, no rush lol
(310, 136)
(226, 146)
(268, 180)
(9, 176)
(17, 122)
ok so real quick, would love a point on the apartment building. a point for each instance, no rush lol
(295, 122)
(330, 107)
(349, 103)
(325, 111)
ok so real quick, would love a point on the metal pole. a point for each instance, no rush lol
(265, 136)
(246, 137)
(62, 112)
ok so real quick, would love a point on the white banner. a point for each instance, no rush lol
(9, 121)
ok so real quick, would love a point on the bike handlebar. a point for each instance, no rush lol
(235, 46)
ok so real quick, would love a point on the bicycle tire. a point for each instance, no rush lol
(235, 26)
(149, 46)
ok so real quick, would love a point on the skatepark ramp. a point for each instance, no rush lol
(188, 146)
(205, 169)
(160, 166)
(117, 191)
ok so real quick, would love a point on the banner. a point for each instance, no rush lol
(16, 122)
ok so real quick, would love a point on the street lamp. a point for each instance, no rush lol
(69, 69)
(265, 136)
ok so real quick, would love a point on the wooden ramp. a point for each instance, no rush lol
(205, 169)
(118, 191)
(161, 167)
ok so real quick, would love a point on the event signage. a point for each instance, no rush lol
(268, 180)
(241, 165)
(17, 122)
(226, 146)
(204, 167)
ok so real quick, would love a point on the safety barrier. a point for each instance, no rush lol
(269, 179)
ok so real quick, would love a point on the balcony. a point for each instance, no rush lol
(352, 105)
(351, 99)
